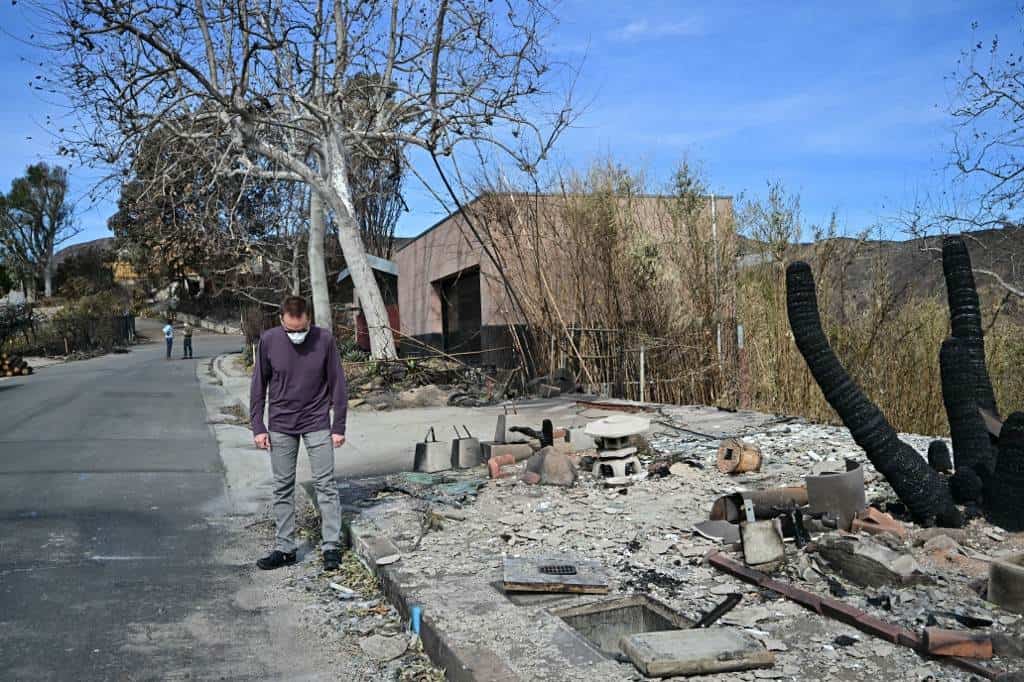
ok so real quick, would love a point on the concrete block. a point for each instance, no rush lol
(695, 652)
(520, 451)
(579, 439)
(866, 562)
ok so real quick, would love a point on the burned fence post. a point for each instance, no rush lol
(918, 486)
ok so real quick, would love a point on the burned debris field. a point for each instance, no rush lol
(615, 539)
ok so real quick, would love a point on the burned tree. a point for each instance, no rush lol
(988, 456)
(989, 460)
(918, 486)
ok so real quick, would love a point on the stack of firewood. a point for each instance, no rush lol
(12, 365)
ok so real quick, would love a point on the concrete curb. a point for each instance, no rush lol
(461, 663)
(219, 371)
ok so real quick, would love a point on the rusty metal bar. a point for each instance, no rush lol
(843, 612)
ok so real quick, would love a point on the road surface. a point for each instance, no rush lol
(114, 527)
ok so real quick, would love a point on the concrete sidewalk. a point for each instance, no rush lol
(378, 442)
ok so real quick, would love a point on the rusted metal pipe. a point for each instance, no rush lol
(940, 642)
(841, 611)
(767, 503)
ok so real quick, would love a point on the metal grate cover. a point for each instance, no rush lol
(558, 569)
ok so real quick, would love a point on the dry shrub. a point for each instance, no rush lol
(601, 268)
(888, 342)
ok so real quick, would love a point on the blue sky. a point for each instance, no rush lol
(846, 103)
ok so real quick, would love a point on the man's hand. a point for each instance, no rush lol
(337, 440)
(262, 441)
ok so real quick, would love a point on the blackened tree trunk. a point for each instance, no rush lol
(917, 485)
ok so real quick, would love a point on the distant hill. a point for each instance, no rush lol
(914, 267)
(102, 244)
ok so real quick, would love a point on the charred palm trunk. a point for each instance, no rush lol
(1003, 489)
(971, 445)
(965, 317)
(990, 474)
(917, 485)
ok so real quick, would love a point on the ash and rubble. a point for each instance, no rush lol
(346, 613)
(643, 535)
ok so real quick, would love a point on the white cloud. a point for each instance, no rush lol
(643, 29)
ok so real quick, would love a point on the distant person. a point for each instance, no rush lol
(169, 337)
(298, 373)
(187, 341)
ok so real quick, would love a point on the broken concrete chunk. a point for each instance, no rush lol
(384, 649)
(1006, 582)
(762, 542)
(722, 531)
(695, 652)
(1007, 645)
(925, 534)
(681, 469)
(518, 451)
(388, 560)
(423, 396)
(866, 562)
(553, 467)
(530, 478)
(941, 546)
(659, 546)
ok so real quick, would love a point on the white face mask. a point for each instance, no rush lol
(297, 337)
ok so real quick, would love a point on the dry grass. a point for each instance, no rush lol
(603, 267)
(648, 271)
(890, 345)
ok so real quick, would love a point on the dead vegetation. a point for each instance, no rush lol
(605, 269)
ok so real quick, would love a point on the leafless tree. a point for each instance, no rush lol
(986, 188)
(268, 80)
(988, 114)
(35, 218)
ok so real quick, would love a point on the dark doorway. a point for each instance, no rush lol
(460, 314)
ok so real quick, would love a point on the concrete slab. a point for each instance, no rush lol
(695, 652)
(520, 451)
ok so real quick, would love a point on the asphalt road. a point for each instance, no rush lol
(113, 526)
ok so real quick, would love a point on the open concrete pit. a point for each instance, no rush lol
(603, 624)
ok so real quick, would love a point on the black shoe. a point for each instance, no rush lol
(332, 560)
(276, 559)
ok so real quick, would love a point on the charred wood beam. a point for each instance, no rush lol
(918, 486)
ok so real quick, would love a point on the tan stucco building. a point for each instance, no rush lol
(452, 296)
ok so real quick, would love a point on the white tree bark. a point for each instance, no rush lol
(48, 276)
(296, 273)
(317, 269)
(382, 342)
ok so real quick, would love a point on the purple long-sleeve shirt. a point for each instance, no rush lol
(302, 382)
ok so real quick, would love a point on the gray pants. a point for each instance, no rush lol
(284, 452)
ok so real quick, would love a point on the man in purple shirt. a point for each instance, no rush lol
(298, 372)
